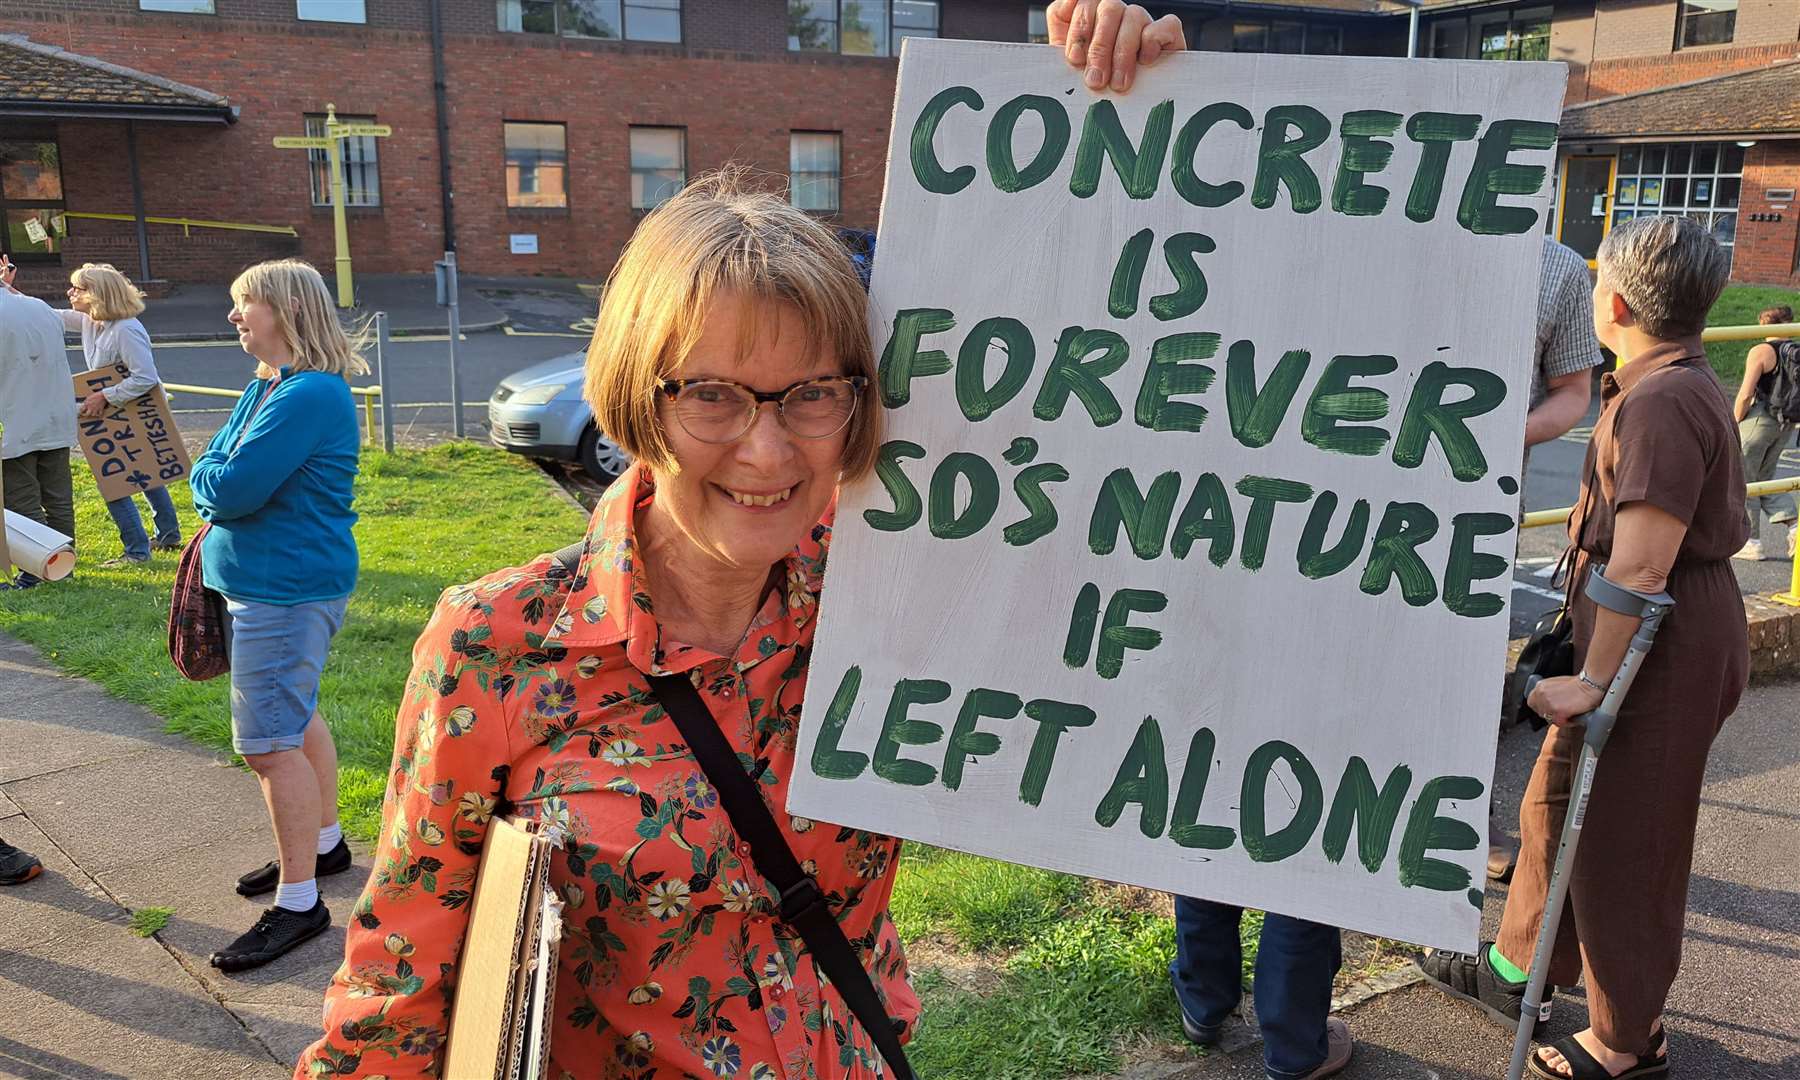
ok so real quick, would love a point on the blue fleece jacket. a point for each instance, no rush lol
(279, 503)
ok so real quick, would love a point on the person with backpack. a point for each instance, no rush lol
(1768, 410)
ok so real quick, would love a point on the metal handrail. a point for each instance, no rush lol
(367, 393)
(189, 224)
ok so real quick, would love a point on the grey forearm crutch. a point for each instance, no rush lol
(1651, 610)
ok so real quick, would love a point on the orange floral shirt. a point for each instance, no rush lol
(528, 691)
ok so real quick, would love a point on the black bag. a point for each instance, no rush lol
(1550, 650)
(1784, 394)
(803, 905)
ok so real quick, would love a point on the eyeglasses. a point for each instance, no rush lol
(718, 411)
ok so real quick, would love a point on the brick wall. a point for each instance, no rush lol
(1628, 29)
(1610, 78)
(1767, 250)
(733, 85)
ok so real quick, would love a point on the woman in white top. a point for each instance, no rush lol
(105, 308)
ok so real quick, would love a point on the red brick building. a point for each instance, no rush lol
(563, 119)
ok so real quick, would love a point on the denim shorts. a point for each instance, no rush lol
(276, 654)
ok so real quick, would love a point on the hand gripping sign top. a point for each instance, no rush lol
(1186, 563)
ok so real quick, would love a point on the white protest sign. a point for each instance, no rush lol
(1188, 558)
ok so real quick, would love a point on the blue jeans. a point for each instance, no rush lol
(1295, 965)
(131, 526)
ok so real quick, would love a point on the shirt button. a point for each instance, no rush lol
(743, 849)
(778, 992)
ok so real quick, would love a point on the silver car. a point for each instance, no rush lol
(539, 412)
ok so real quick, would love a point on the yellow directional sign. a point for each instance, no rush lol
(302, 142)
(342, 131)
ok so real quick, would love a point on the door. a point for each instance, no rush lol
(1587, 195)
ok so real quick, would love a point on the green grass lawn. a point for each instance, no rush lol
(430, 519)
(1738, 307)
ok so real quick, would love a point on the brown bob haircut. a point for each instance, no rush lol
(721, 240)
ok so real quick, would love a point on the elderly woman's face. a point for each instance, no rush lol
(750, 501)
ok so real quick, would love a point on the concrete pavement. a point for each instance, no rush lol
(126, 817)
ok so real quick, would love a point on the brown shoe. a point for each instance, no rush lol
(1337, 1050)
(1502, 856)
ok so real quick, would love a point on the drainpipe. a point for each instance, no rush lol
(438, 85)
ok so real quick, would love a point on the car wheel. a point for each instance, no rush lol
(601, 459)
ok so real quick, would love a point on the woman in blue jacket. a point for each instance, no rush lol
(275, 487)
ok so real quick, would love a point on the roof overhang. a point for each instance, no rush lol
(86, 110)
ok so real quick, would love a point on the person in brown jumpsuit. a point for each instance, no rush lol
(1663, 508)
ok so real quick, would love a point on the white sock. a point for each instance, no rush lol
(297, 895)
(329, 837)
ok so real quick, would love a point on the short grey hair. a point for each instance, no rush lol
(1669, 270)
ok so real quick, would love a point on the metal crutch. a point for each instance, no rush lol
(1599, 727)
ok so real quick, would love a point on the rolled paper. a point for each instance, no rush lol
(38, 549)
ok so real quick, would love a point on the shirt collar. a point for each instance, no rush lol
(1656, 357)
(609, 602)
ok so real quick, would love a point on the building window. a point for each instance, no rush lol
(658, 165)
(345, 11)
(1037, 25)
(185, 7)
(814, 170)
(1706, 22)
(362, 169)
(630, 20)
(537, 166)
(1516, 35)
(1702, 181)
(31, 199)
(1283, 36)
(859, 27)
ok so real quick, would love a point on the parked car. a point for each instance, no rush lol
(539, 412)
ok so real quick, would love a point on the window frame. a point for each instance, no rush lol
(1270, 27)
(33, 134)
(362, 20)
(560, 21)
(319, 160)
(506, 163)
(837, 177)
(1722, 180)
(1685, 18)
(633, 170)
(895, 32)
(1471, 28)
(1034, 15)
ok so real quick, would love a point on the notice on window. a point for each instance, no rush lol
(523, 243)
(134, 446)
(35, 231)
(1187, 559)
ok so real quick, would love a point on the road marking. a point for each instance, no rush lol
(510, 332)
(1536, 590)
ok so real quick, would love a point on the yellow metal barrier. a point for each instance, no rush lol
(189, 224)
(367, 393)
(1541, 518)
(1750, 333)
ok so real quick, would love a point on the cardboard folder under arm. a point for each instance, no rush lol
(506, 977)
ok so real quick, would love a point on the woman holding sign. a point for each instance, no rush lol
(103, 309)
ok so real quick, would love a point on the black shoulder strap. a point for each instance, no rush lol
(570, 557)
(803, 906)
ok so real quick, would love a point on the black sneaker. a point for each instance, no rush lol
(17, 867)
(265, 877)
(160, 544)
(279, 931)
(1474, 980)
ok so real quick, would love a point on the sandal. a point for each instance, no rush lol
(1584, 1067)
